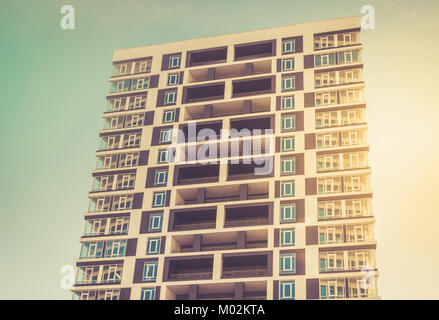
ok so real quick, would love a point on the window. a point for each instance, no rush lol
(288, 263)
(149, 271)
(288, 123)
(288, 83)
(155, 222)
(288, 46)
(331, 289)
(288, 166)
(115, 248)
(161, 178)
(288, 212)
(153, 246)
(137, 102)
(173, 79)
(170, 97)
(174, 62)
(324, 60)
(287, 237)
(286, 290)
(145, 66)
(164, 156)
(139, 84)
(287, 103)
(122, 68)
(288, 65)
(158, 199)
(119, 226)
(112, 273)
(287, 189)
(120, 86)
(148, 294)
(165, 136)
(169, 116)
(91, 250)
(287, 144)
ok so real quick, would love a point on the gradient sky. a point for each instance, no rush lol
(53, 91)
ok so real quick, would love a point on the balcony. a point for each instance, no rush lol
(224, 193)
(206, 56)
(245, 266)
(195, 219)
(336, 118)
(224, 109)
(342, 161)
(249, 290)
(126, 103)
(351, 233)
(251, 87)
(219, 241)
(200, 131)
(251, 168)
(196, 174)
(208, 92)
(240, 216)
(189, 269)
(255, 50)
(253, 126)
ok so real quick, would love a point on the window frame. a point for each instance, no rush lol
(292, 263)
(155, 196)
(172, 64)
(288, 46)
(153, 241)
(292, 236)
(292, 289)
(146, 270)
(292, 215)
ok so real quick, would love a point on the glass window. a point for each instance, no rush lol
(288, 46)
(324, 59)
(161, 178)
(153, 246)
(174, 62)
(288, 166)
(164, 156)
(169, 116)
(288, 263)
(91, 250)
(173, 79)
(149, 271)
(288, 212)
(287, 64)
(288, 123)
(158, 199)
(287, 237)
(286, 290)
(170, 97)
(287, 103)
(165, 136)
(287, 189)
(155, 222)
(287, 144)
(115, 248)
(148, 294)
(288, 83)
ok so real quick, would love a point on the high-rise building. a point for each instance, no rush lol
(234, 167)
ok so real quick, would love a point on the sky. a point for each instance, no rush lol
(53, 89)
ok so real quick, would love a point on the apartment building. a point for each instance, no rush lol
(181, 208)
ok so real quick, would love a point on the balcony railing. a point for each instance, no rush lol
(245, 272)
(246, 222)
(194, 226)
(191, 275)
